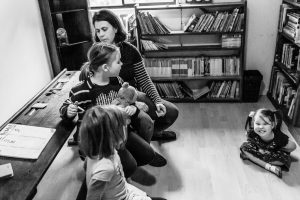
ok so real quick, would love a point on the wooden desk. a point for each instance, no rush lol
(28, 173)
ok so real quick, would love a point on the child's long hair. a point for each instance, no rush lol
(101, 130)
(98, 54)
(274, 117)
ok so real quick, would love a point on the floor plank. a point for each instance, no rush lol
(203, 163)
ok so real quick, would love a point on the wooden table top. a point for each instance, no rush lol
(28, 173)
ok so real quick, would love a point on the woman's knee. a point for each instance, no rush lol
(172, 111)
(140, 149)
(128, 162)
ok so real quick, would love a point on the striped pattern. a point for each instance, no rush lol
(133, 63)
(88, 94)
(145, 82)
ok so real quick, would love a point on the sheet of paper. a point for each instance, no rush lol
(22, 141)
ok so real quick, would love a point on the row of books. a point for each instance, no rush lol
(231, 41)
(193, 66)
(283, 92)
(179, 90)
(216, 22)
(292, 28)
(198, 1)
(224, 89)
(149, 45)
(282, 15)
(169, 90)
(151, 25)
(291, 56)
(216, 90)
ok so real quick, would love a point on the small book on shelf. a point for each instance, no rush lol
(191, 23)
(195, 93)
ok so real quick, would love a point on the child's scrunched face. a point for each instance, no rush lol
(262, 125)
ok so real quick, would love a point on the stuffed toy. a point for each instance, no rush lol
(127, 95)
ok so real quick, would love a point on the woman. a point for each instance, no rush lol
(109, 29)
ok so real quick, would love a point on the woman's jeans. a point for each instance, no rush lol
(160, 123)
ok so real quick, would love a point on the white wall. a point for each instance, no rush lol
(24, 61)
(261, 37)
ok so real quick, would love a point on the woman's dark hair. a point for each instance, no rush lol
(112, 18)
(98, 54)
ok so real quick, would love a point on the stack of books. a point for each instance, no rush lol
(283, 92)
(193, 66)
(149, 45)
(151, 25)
(290, 56)
(282, 16)
(291, 29)
(216, 22)
(224, 89)
(194, 93)
(180, 90)
(231, 41)
(169, 90)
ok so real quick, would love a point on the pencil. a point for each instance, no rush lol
(68, 101)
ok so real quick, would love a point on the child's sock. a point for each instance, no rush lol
(274, 169)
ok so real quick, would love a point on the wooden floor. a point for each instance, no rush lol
(203, 163)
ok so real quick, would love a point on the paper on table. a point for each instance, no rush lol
(23, 141)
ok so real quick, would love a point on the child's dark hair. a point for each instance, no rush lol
(273, 116)
(110, 17)
(101, 129)
(98, 54)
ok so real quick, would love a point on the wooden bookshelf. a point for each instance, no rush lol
(284, 88)
(73, 16)
(221, 47)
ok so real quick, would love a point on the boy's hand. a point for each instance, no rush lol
(130, 110)
(72, 110)
(161, 110)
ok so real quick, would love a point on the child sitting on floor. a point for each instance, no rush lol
(267, 146)
(103, 131)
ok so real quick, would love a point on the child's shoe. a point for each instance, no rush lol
(274, 169)
(158, 161)
(278, 172)
(243, 156)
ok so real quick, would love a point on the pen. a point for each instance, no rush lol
(68, 101)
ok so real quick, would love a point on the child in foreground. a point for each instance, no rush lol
(267, 146)
(104, 130)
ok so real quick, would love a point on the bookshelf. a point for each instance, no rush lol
(68, 32)
(194, 47)
(284, 88)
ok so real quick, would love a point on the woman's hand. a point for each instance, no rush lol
(160, 110)
(130, 110)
